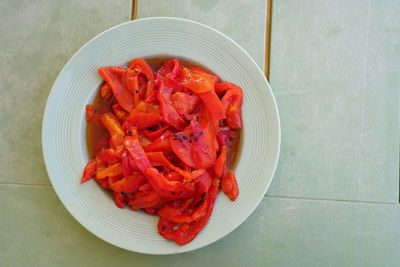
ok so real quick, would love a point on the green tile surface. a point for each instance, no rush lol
(336, 75)
(243, 21)
(281, 232)
(37, 39)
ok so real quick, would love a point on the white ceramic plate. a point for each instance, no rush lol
(64, 126)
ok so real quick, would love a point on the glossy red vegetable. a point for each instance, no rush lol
(168, 112)
(232, 103)
(169, 143)
(114, 76)
(90, 171)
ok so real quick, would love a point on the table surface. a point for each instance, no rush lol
(334, 70)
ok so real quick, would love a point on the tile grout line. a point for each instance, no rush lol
(25, 184)
(334, 200)
(268, 39)
(134, 9)
(266, 196)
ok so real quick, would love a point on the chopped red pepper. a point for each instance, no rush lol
(152, 135)
(119, 112)
(203, 148)
(171, 68)
(181, 144)
(160, 144)
(214, 105)
(105, 91)
(232, 102)
(113, 170)
(229, 185)
(141, 66)
(114, 76)
(185, 104)
(220, 163)
(129, 184)
(198, 82)
(109, 155)
(169, 114)
(184, 233)
(89, 172)
(112, 124)
(145, 199)
(119, 200)
(170, 141)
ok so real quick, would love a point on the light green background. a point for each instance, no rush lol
(336, 78)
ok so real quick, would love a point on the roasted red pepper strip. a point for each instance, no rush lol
(90, 171)
(184, 233)
(139, 156)
(150, 88)
(141, 66)
(129, 184)
(132, 84)
(113, 170)
(93, 116)
(229, 185)
(108, 155)
(181, 144)
(114, 76)
(220, 163)
(112, 124)
(174, 176)
(213, 105)
(198, 82)
(126, 168)
(119, 112)
(201, 202)
(152, 97)
(185, 104)
(158, 159)
(144, 120)
(146, 199)
(160, 144)
(145, 187)
(152, 135)
(172, 69)
(168, 113)
(232, 102)
(119, 200)
(105, 91)
(197, 69)
(203, 147)
(144, 115)
(221, 88)
(168, 189)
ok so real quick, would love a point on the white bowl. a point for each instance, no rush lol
(64, 129)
